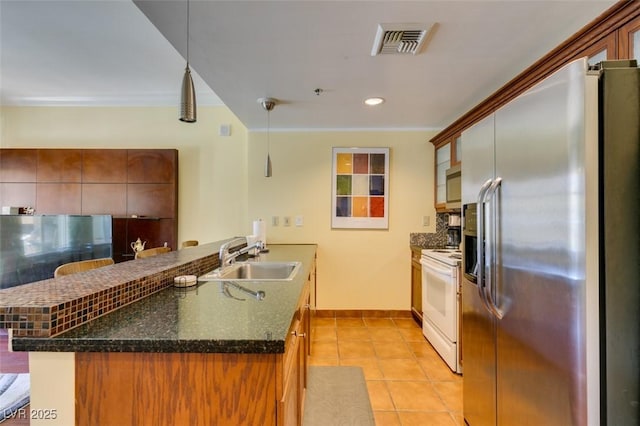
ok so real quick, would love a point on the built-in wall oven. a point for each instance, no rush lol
(441, 299)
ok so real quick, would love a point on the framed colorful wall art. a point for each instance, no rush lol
(360, 188)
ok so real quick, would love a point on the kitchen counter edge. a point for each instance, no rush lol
(160, 344)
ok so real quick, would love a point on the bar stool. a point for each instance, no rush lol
(152, 252)
(81, 266)
(189, 243)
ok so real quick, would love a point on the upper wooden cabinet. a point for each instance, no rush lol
(139, 183)
(59, 165)
(447, 155)
(602, 50)
(18, 165)
(156, 166)
(629, 40)
(104, 166)
(621, 44)
(612, 35)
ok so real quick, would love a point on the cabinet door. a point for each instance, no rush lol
(629, 40)
(104, 166)
(18, 165)
(59, 165)
(305, 335)
(443, 162)
(602, 50)
(59, 198)
(152, 166)
(290, 413)
(152, 199)
(457, 150)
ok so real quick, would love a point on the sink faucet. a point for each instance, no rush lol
(227, 258)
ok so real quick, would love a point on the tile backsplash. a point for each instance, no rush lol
(436, 239)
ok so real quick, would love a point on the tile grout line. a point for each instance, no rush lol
(395, 325)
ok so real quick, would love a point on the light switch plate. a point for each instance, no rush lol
(286, 221)
(299, 221)
(275, 221)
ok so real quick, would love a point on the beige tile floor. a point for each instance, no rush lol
(408, 382)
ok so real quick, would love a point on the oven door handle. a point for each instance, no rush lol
(435, 267)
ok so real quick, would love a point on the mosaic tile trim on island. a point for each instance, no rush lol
(50, 307)
(195, 319)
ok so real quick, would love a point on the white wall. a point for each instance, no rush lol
(212, 178)
(222, 187)
(357, 269)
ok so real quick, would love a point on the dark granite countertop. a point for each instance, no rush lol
(195, 319)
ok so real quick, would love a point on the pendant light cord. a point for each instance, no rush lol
(188, 93)
(268, 132)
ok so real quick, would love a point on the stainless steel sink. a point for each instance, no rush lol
(254, 271)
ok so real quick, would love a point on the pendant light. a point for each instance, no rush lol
(188, 93)
(268, 104)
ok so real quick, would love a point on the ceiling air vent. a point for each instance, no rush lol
(398, 39)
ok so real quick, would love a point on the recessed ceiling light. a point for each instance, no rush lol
(373, 101)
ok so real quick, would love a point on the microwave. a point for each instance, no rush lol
(454, 187)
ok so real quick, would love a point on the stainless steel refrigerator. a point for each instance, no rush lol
(551, 299)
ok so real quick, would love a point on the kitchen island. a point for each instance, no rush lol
(192, 356)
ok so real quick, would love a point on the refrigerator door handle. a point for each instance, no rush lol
(480, 241)
(491, 195)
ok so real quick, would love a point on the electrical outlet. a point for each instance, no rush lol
(426, 220)
(299, 221)
(275, 221)
(286, 221)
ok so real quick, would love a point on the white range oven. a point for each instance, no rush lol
(441, 297)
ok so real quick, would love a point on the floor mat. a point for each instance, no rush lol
(14, 394)
(337, 396)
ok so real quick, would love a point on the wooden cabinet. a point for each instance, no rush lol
(18, 165)
(104, 166)
(621, 44)
(416, 285)
(295, 365)
(446, 156)
(151, 166)
(59, 165)
(142, 183)
(151, 389)
(629, 40)
(312, 288)
(114, 388)
(58, 198)
(154, 231)
(290, 405)
(602, 50)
